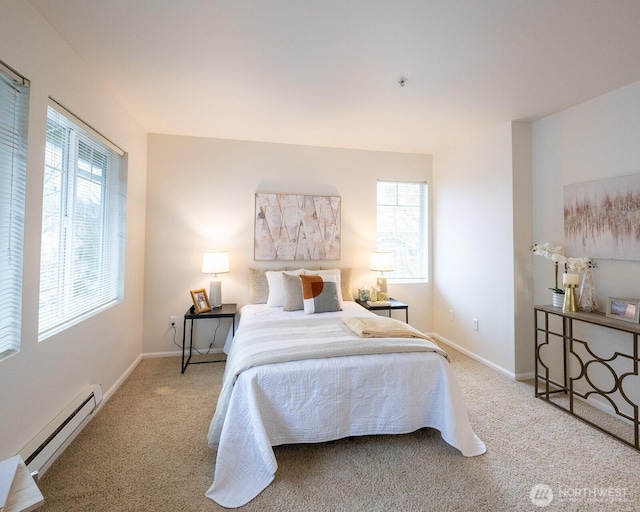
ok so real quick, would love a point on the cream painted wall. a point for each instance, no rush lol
(201, 196)
(592, 141)
(473, 215)
(522, 236)
(43, 378)
(484, 215)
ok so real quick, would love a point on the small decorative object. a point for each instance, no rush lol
(587, 300)
(383, 296)
(364, 294)
(373, 295)
(379, 303)
(570, 281)
(200, 300)
(215, 262)
(624, 309)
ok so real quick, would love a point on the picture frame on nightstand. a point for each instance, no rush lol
(200, 300)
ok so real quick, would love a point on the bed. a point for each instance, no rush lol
(294, 377)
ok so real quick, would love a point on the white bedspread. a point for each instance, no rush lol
(326, 399)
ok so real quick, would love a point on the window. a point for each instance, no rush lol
(83, 223)
(14, 111)
(402, 227)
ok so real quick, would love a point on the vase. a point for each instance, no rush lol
(570, 302)
(558, 299)
(587, 301)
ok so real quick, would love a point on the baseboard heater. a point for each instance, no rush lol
(43, 449)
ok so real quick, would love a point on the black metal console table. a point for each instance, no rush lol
(576, 375)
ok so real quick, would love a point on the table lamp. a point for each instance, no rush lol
(215, 262)
(381, 261)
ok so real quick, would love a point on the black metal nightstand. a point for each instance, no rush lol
(394, 304)
(224, 311)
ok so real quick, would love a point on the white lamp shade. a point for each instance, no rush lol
(381, 261)
(215, 262)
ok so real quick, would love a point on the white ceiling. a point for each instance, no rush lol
(325, 72)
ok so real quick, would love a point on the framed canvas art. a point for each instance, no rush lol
(297, 227)
(602, 218)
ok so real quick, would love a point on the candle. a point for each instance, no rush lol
(571, 279)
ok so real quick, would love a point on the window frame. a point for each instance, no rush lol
(382, 239)
(83, 223)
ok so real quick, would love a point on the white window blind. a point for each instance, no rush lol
(402, 227)
(14, 113)
(83, 223)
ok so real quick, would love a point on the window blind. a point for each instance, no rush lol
(402, 227)
(14, 113)
(83, 224)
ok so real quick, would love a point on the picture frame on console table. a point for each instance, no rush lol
(624, 309)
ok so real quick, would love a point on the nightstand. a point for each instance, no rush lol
(394, 304)
(224, 311)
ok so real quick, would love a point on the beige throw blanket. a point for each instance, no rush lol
(382, 327)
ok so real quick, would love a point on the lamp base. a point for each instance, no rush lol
(381, 283)
(215, 293)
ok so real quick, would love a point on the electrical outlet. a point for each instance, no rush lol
(475, 324)
(173, 321)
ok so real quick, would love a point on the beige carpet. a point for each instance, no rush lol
(146, 451)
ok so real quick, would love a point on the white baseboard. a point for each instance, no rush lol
(472, 355)
(178, 353)
(525, 376)
(153, 355)
(120, 381)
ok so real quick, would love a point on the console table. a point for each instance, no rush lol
(582, 373)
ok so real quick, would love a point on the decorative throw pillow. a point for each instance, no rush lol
(292, 292)
(320, 294)
(258, 286)
(334, 273)
(345, 283)
(276, 286)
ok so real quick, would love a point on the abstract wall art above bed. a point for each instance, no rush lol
(297, 227)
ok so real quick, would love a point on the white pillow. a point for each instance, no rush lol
(334, 272)
(276, 286)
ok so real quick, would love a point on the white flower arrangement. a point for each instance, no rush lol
(556, 254)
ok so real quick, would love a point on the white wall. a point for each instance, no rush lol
(592, 141)
(201, 196)
(595, 140)
(43, 378)
(485, 218)
(475, 225)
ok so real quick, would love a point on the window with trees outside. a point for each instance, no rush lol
(14, 113)
(83, 223)
(402, 228)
